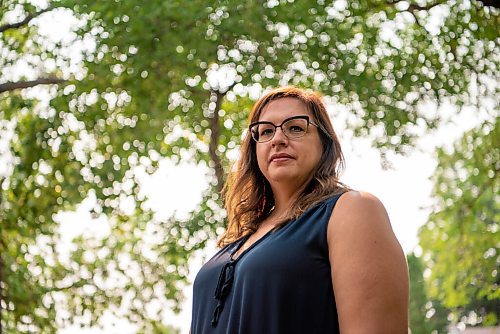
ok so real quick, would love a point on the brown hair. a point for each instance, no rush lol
(248, 196)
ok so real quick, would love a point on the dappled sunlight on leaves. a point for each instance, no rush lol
(132, 86)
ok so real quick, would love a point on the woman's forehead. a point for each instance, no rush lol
(283, 108)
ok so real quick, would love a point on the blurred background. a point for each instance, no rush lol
(119, 121)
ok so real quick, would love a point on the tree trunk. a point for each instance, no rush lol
(214, 139)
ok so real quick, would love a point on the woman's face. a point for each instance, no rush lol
(288, 162)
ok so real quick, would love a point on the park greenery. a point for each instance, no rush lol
(132, 83)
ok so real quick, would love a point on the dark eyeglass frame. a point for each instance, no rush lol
(305, 117)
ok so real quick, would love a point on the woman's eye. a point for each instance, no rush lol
(266, 132)
(296, 128)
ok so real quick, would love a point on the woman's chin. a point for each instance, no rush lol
(283, 179)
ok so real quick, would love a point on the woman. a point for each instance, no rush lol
(302, 252)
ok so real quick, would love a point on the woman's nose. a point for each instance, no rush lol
(279, 137)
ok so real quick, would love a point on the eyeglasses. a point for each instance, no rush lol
(292, 127)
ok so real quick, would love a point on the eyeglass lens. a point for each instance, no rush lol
(293, 128)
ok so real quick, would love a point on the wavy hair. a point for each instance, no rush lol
(248, 195)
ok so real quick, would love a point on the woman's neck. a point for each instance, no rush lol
(283, 200)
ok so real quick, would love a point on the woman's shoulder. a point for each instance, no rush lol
(369, 272)
(354, 203)
(358, 196)
(356, 211)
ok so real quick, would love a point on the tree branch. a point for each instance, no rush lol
(214, 140)
(414, 7)
(78, 284)
(215, 134)
(26, 20)
(492, 3)
(9, 86)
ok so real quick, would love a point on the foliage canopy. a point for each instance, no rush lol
(141, 81)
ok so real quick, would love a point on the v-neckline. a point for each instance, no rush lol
(242, 242)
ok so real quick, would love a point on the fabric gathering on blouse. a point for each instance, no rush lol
(280, 284)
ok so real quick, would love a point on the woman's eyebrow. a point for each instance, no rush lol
(284, 119)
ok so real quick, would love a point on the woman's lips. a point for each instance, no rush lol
(281, 157)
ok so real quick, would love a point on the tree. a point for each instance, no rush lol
(28, 198)
(16, 37)
(175, 80)
(460, 241)
(426, 316)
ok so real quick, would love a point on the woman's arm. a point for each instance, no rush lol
(369, 270)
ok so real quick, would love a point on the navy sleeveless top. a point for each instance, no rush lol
(280, 284)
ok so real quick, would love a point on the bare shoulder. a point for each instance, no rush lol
(358, 209)
(360, 221)
(359, 200)
(369, 272)
(357, 197)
